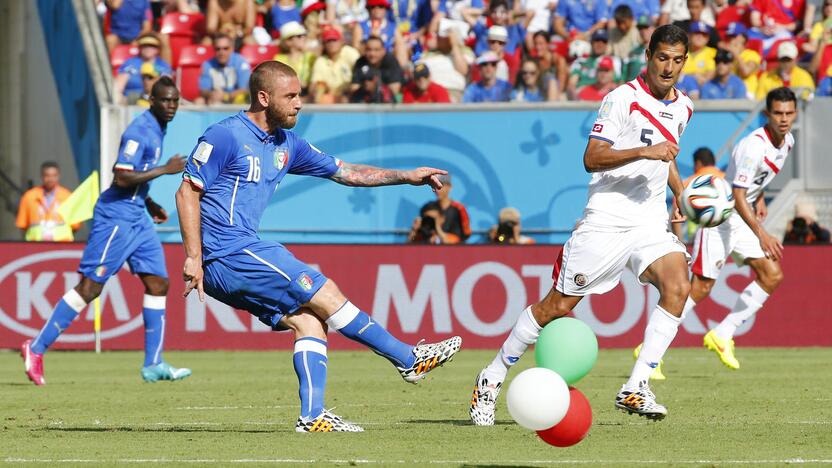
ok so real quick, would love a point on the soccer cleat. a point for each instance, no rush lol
(723, 348)
(641, 402)
(428, 357)
(164, 371)
(484, 401)
(657, 373)
(326, 422)
(32, 363)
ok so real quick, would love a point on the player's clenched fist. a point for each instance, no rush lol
(175, 164)
(664, 151)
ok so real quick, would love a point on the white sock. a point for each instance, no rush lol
(660, 331)
(524, 333)
(689, 305)
(750, 301)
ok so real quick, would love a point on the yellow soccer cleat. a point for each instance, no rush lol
(723, 348)
(657, 372)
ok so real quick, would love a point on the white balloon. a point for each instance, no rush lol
(538, 398)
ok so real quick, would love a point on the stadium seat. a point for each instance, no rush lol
(120, 55)
(255, 54)
(182, 29)
(190, 65)
(825, 62)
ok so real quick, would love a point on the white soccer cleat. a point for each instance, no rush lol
(641, 402)
(326, 422)
(484, 400)
(429, 356)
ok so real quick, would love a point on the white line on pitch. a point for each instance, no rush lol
(435, 462)
(340, 405)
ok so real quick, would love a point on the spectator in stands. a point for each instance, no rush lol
(293, 52)
(817, 28)
(532, 86)
(489, 88)
(777, 19)
(673, 11)
(700, 63)
(699, 13)
(285, 11)
(541, 16)
(451, 224)
(787, 73)
(825, 85)
(224, 78)
(313, 13)
(704, 163)
(746, 61)
(128, 19)
(725, 84)
(579, 19)
(422, 90)
(822, 58)
(688, 85)
(637, 60)
(128, 81)
(604, 82)
(37, 215)
(553, 66)
(650, 9)
(149, 78)
(371, 88)
(804, 228)
(345, 15)
(449, 61)
(624, 36)
(498, 15)
(379, 24)
(377, 57)
(497, 39)
(583, 69)
(180, 6)
(332, 72)
(508, 229)
(727, 12)
(234, 18)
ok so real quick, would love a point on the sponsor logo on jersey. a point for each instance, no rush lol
(720, 263)
(281, 157)
(203, 152)
(665, 115)
(605, 110)
(130, 148)
(580, 280)
(305, 282)
(597, 128)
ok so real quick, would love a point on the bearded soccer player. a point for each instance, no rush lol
(229, 178)
(122, 232)
(755, 162)
(631, 154)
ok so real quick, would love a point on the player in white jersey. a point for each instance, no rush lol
(755, 162)
(631, 154)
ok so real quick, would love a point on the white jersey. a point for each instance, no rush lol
(755, 161)
(634, 194)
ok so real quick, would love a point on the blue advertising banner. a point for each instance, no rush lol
(528, 158)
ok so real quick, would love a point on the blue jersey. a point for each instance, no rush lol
(133, 67)
(825, 87)
(733, 89)
(648, 8)
(139, 150)
(516, 36)
(126, 22)
(238, 167)
(582, 14)
(230, 77)
(476, 92)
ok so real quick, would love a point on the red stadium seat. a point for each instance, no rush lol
(255, 54)
(190, 65)
(825, 63)
(182, 29)
(120, 55)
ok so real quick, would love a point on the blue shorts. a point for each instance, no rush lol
(113, 242)
(264, 279)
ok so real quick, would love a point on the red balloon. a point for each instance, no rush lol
(574, 426)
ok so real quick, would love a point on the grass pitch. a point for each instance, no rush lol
(240, 407)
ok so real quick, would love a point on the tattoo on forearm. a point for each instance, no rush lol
(359, 175)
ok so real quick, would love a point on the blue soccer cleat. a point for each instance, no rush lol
(164, 371)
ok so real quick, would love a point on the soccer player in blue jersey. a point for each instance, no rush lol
(122, 232)
(228, 180)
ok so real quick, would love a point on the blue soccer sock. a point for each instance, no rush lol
(65, 312)
(153, 313)
(310, 366)
(358, 326)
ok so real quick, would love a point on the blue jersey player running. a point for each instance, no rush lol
(229, 178)
(121, 232)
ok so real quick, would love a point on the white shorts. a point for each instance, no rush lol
(712, 246)
(592, 260)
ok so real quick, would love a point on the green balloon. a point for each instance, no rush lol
(567, 346)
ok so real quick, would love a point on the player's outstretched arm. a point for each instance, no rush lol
(770, 245)
(187, 204)
(127, 179)
(360, 175)
(600, 156)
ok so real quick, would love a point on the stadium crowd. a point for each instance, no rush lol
(384, 51)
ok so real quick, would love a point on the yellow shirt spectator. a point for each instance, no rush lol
(701, 61)
(796, 77)
(751, 82)
(334, 74)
